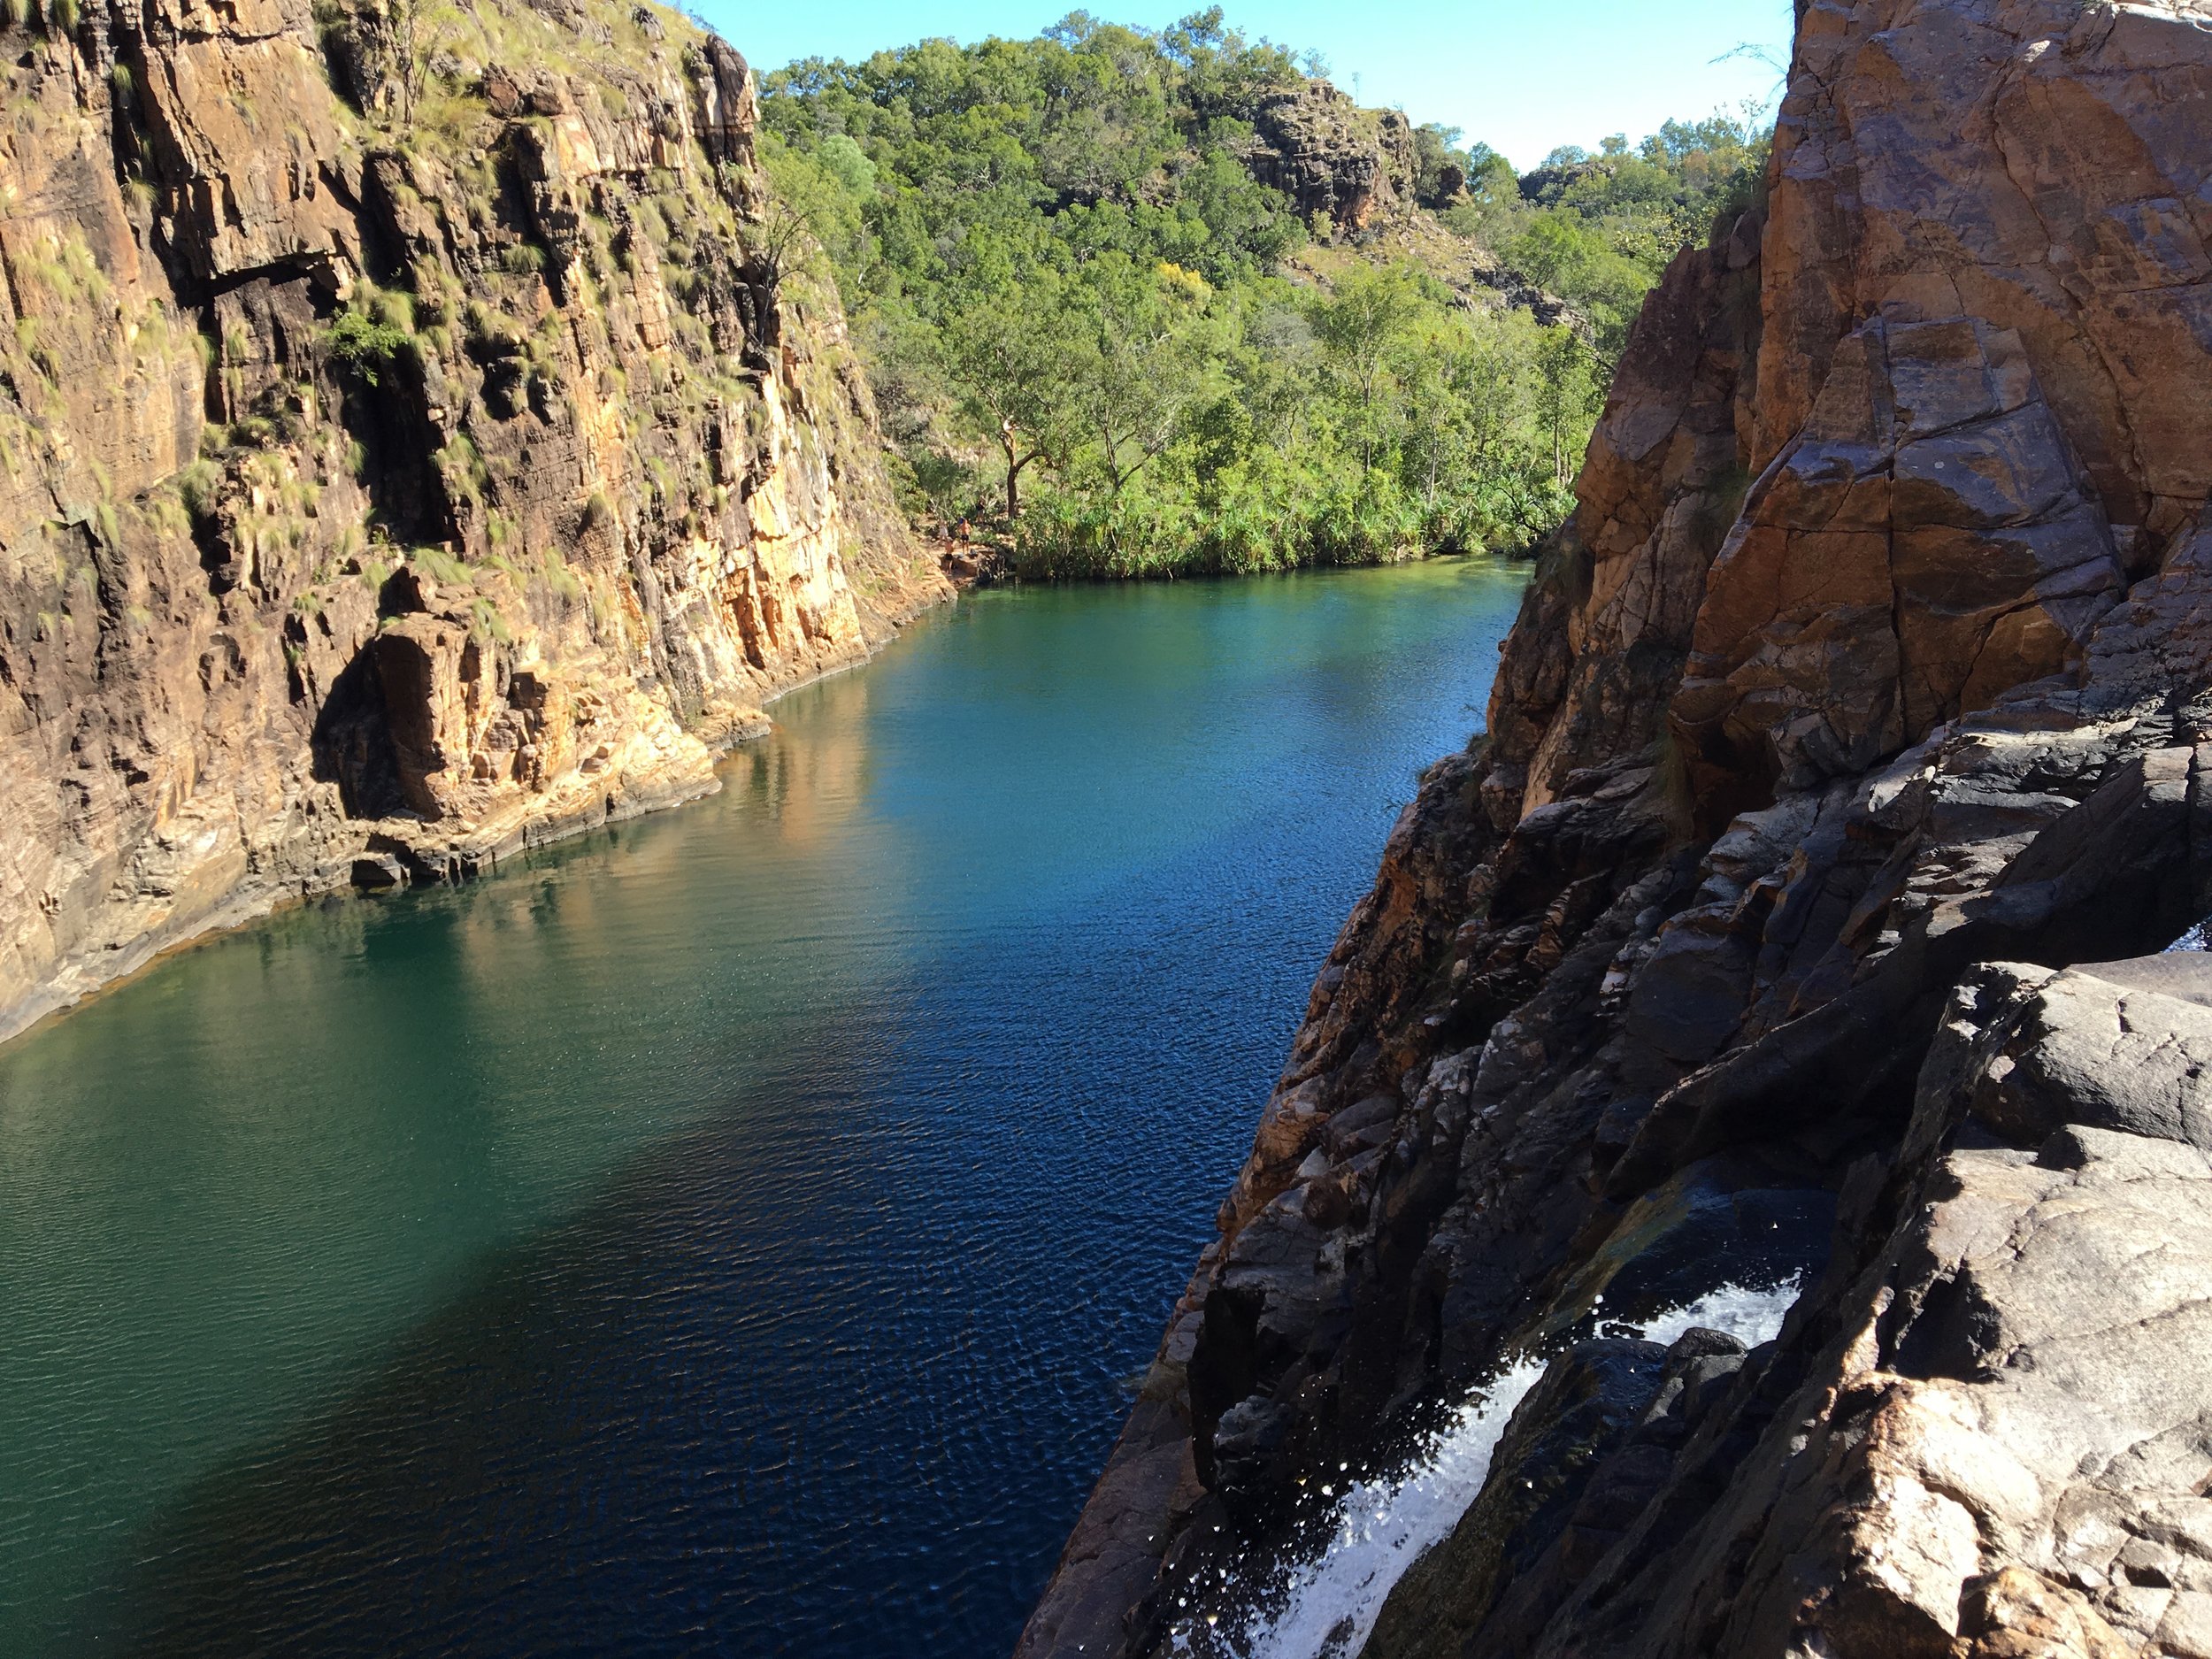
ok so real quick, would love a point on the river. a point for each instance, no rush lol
(732, 1233)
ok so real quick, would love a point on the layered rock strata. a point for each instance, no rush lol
(1880, 651)
(417, 436)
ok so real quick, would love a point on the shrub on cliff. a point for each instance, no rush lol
(365, 345)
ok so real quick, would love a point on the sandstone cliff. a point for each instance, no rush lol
(1879, 652)
(415, 440)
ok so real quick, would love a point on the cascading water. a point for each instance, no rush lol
(1382, 1526)
(1326, 1608)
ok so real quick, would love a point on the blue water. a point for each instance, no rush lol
(733, 1233)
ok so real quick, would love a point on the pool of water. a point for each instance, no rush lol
(732, 1233)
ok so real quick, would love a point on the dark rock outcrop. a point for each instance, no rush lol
(1343, 167)
(404, 454)
(1982, 1435)
(1880, 651)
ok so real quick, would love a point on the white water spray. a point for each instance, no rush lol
(1326, 1609)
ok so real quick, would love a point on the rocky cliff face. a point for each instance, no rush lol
(1879, 653)
(414, 441)
(1343, 167)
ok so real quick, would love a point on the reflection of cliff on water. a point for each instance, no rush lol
(748, 1213)
(813, 781)
(244, 1172)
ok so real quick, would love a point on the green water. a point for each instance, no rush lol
(726, 1234)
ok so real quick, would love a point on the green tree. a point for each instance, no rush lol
(1564, 389)
(1356, 326)
(814, 209)
(366, 344)
(1140, 366)
(1071, 288)
(1010, 357)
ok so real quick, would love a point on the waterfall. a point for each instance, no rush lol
(1325, 1608)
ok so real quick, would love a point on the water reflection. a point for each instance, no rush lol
(726, 1234)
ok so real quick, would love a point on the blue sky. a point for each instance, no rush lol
(1522, 75)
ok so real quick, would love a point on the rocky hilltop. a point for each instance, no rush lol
(1866, 700)
(418, 436)
(1343, 167)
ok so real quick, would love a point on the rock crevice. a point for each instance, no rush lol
(408, 451)
(1868, 694)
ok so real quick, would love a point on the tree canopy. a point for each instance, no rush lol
(1090, 324)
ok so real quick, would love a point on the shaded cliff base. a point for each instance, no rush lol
(371, 856)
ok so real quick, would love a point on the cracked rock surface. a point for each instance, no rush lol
(1984, 1433)
(397, 467)
(1879, 654)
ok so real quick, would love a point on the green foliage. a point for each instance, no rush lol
(816, 206)
(486, 620)
(196, 486)
(1072, 295)
(368, 346)
(1178, 428)
(561, 579)
(63, 263)
(1355, 327)
(938, 160)
(1599, 230)
(440, 565)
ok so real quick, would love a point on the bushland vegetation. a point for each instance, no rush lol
(1092, 329)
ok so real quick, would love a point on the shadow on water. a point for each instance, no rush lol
(593, 1449)
(727, 1239)
(826, 1373)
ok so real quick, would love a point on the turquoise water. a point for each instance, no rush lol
(731, 1234)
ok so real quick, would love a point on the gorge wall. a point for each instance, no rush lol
(1869, 693)
(417, 438)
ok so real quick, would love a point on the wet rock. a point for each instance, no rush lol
(1993, 1444)
(1590, 1449)
(1861, 711)
(1569, 1424)
(1720, 1222)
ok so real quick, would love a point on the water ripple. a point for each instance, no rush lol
(730, 1235)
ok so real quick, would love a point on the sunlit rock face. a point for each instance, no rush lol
(406, 450)
(1341, 166)
(1879, 652)
(1987, 331)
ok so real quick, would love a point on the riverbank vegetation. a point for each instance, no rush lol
(1110, 318)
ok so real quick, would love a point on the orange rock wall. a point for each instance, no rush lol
(276, 613)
